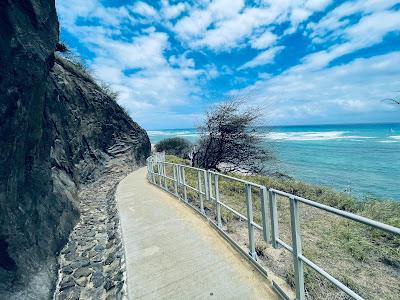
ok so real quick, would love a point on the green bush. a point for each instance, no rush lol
(175, 146)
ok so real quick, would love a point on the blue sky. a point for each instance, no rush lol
(303, 62)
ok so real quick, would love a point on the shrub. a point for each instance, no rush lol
(228, 140)
(175, 146)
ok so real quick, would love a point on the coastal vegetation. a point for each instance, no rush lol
(228, 140)
(365, 259)
(175, 146)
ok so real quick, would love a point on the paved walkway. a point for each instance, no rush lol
(172, 253)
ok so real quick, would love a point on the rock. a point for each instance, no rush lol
(118, 276)
(70, 256)
(97, 279)
(97, 259)
(81, 281)
(67, 270)
(66, 283)
(99, 248)
(70, 294)
(109, 284)
(115, 266)
(110, 258)
(68, 249)
(88, 246)
(79, 263)
(82, 272)
(119, 286)
(92, 253)
(110, 244)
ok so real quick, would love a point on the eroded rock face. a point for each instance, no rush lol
(58, 130)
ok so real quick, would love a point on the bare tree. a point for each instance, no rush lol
(228, 140)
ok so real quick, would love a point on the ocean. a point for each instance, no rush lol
(362, 159)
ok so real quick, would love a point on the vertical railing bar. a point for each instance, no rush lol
(206, 185)
(175, 180)
(165, 177)
(274, 219)
(217, 205)
(250, 227)
(209, 185)
(297, 251)
(159, 173)
(200, 191)
(184, 185)
(265, 214)
(152, 172)
(180, 181)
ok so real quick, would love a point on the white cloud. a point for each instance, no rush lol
(263, 41)
(200, 19)
(225, 24)
(370, 30)
(336, 19)
(356, 87)
(172, 11)
(144, 9)
(298, 15)
(265, 57)
(317, 5)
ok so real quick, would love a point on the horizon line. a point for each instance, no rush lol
(293, 125)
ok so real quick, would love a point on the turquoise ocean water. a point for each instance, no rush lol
(363, 159)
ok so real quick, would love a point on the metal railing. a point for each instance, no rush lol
(207, 189)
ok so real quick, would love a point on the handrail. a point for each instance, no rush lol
(342, 213)
(208, 184)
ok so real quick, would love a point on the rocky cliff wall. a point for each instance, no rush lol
(58, 131)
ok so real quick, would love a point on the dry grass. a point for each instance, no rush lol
(366, 260)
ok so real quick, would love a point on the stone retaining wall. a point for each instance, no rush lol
(92, 263)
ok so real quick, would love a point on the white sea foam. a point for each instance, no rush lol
(174, 133)
(311, 136)
(388, 141)
(395, 137)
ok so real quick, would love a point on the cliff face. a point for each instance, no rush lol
(58, 130)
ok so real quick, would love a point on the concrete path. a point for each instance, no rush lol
(172, 253)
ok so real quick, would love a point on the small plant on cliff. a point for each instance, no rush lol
(228, 139)
(79, 66)
(175, 146)
(62, 47)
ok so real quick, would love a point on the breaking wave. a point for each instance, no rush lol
(312, 136)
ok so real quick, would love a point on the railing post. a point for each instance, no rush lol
(175, 179)
(209, 185)
(206, 185)
(217, 204)
(178, 170)
(200, 191)
(265, 214)
(297, 251)
(249, 203)
(274, 219)
(165, 176)
(153, 176)
(184, 184)
(159, 173)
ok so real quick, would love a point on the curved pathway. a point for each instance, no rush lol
(172, 253)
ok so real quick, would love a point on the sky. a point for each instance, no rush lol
(301, 62)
